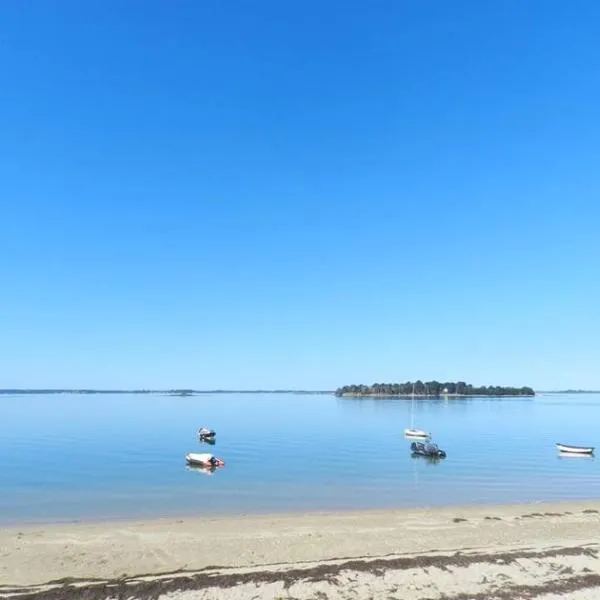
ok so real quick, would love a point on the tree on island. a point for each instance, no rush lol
(432, 388)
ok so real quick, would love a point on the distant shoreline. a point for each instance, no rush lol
(408, 396)
(568, 392)
(434, 388)
(173, 392)
(191, 392)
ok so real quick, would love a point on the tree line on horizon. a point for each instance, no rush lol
(432, 388)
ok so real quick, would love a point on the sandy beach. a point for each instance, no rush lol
(541, 551)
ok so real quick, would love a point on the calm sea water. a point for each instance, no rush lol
(72, 457)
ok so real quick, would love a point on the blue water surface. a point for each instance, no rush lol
(78, 457)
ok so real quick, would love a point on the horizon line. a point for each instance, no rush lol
(217, 390)
(160, 390)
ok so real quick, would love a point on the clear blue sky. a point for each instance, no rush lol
(299, 194)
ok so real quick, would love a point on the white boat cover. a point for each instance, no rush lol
(416, 432)
(203, 457)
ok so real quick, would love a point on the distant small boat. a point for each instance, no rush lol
(567, 449)
(204, 433)
(204, 460)
(411, 432)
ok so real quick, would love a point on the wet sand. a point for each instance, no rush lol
(544, 551)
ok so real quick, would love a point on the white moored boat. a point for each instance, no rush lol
(203, 459)
(416, 433)
(567, 449)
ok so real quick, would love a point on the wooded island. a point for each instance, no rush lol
(432, 388)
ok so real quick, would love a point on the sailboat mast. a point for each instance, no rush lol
(412, 408)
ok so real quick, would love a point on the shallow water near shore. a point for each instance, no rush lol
(88, 457)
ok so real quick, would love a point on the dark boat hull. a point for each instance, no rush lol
(427, 450)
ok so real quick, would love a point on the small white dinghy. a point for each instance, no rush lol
(411, 432)
(575, 450)
(203, 459)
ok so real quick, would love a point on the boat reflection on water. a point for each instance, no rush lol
(562, 455)
(199, 469)
(209, 441)
(430, 460)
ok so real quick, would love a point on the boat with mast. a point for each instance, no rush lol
(412, 431)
